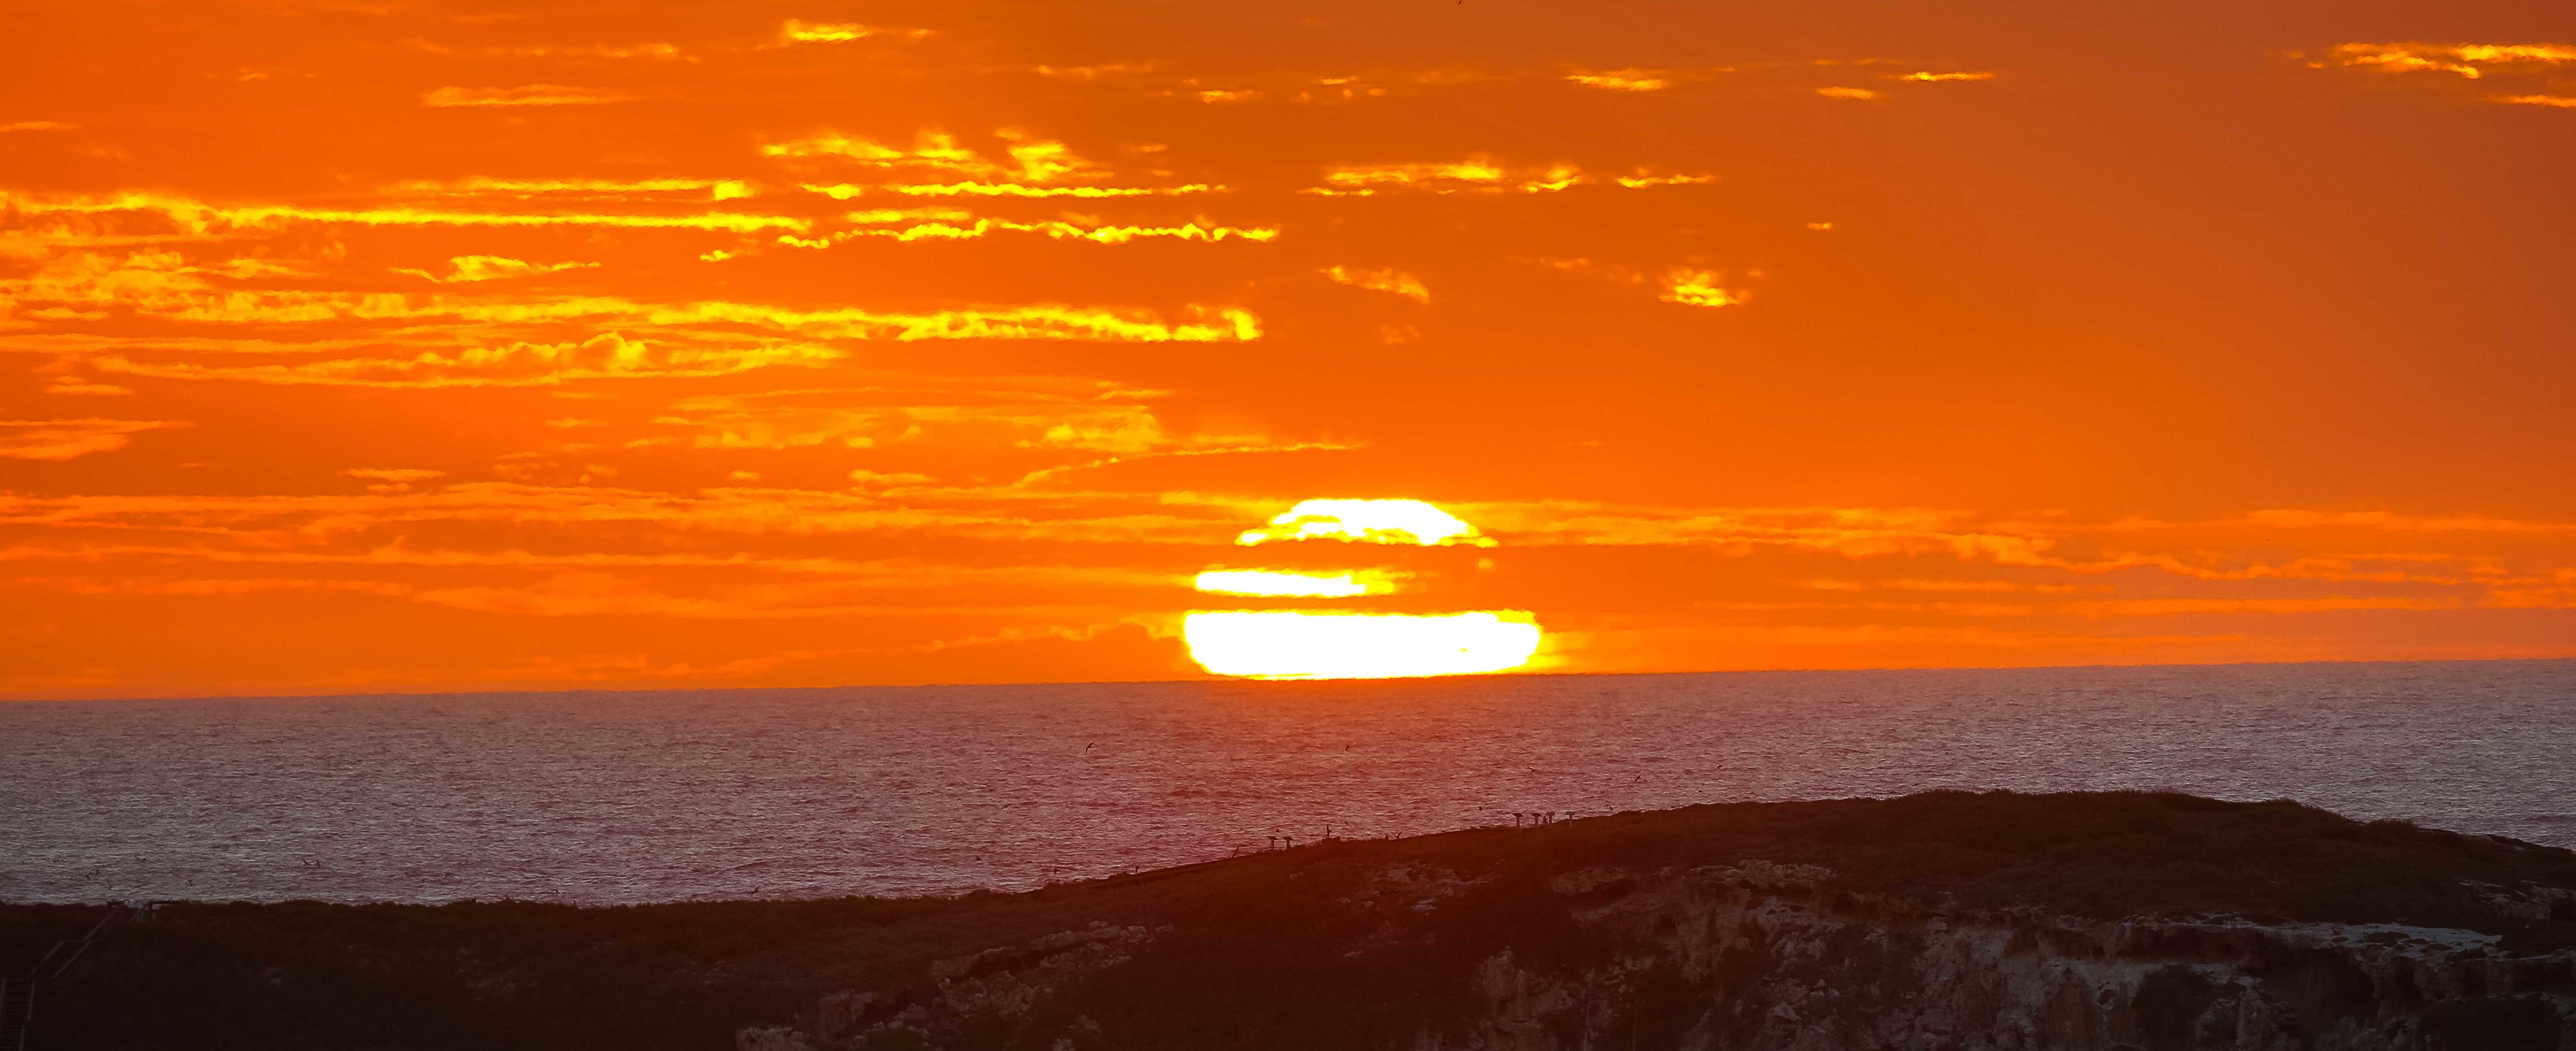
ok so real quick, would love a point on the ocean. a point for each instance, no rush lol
(606, 797)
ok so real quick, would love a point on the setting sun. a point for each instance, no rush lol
(1299, 644)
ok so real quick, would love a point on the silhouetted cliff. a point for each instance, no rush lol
(1945, 920)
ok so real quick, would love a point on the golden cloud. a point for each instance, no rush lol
(199, 217)
(484, 186)
(493, 268)
(2167, 607)
(79, 286)
(74, 385)
(1058, 229)
(1045, 321)
(1033, 159)
(1017, 190)
(1641, 181)
(1384, 279)
(69, 439)
(670, 352)
(1090, 73)
(1698, 288)
(523, 95)
(2468, 60)
(394, 474)
(794, 31)
(1411, 522)
(1021, 416)
(1621, 80)
(610, 355)
(294, 522)
(1106, 429)
(1687, 285)
(1477, 174)
(659, 51)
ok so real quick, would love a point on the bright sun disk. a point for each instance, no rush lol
(1297, 644)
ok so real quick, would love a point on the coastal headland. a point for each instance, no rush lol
(1944, 920)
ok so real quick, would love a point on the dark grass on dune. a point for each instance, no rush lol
(1262, 943)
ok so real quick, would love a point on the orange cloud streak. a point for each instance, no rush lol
(524, 95)
(67, 439)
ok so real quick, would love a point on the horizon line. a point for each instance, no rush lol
(1280, 683)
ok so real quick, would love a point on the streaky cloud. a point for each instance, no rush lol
(466, 268)
(70, 439)
(523, 95)
(1382, 279)
(796, 31)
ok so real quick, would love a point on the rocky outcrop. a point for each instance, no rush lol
(1753, 958)
(994, 989)
(1945, 921)
(1761, 956)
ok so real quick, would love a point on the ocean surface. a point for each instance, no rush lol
(634, 797)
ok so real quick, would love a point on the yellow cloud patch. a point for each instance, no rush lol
(1384, 279)
(1477, 174)
(794, 31)
(482, 186)
(725, 423)
(82, 286)
(944, 227)
(971, 189)
(1367, 521)
(1091, 73)
(2468, 60)
(609, 355)
(493, 268)
(665, 52)
(74, 385)
(68, 439)
(1641, 181)
(200, 217)
(523, 95)
(1621, 80)
(1698, 288)
(390, 480)
(1032, 159)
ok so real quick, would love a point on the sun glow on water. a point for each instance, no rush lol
(1297, 644)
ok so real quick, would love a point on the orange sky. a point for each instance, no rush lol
(361, 346)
